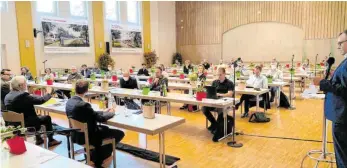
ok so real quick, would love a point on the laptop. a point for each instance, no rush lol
(211, 92)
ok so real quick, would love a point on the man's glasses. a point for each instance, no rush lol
(340, 43)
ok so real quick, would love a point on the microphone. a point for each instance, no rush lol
(330, 62)
(44, 61)
(236, 61)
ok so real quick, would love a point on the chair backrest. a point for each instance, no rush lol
(11, 116)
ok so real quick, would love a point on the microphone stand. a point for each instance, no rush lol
(324, 156)
(291, 107)
(233, 143)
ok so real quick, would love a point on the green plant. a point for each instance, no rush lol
(269, 76)
(177, 56)
(149, 103)
(8, 129)
(150, 58)
(105, 60)
(252, 65)
(193, 77)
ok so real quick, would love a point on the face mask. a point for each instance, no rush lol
(126, 78)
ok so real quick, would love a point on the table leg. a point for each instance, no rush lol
(257, 99)
(143, 140)
(225, 113)
(278, 93)
(162, 150)
(168, 105)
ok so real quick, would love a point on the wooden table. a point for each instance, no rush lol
(36, 156)
(134, 122)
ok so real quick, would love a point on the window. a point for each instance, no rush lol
(3, 6)
(46, 6)
(112, 10)
(133, 12)
(78, 8)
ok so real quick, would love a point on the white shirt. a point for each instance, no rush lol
(277, 75)
(345, 55)
(165, 74)
(257, 82)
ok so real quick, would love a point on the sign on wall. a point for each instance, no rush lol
(65, 36)
(126, 39)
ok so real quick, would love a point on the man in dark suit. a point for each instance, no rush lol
(85, 71)
(187, 67)
(335, 105)
(127, 81)
(5, 85)
(78, 109)
(143, 70)
(206, 64)
(20, 101)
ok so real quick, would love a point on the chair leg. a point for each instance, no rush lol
(114, 153)
(68, 145)
(72, 149)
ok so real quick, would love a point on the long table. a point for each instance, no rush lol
(134, 122)
(36, 156)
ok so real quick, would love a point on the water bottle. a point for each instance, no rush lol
(164, 90)
(110, 100)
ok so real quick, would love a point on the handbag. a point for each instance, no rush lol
(259, 117)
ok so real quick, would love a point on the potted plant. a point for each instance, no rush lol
(104, 84)
(37, 91)
(145, 90)
(49, 80)
(238, 74)
(269, 78)
(150, 58)
(149, 110)
(242, 85)
(298, 64)
(15, 143)
(181, 75)
(92, 76)
(251, 65)
(174, 71)
(200, 92)
(292, 71)
(177, 56)
(287, 66)
(104, 61)
(193, 78)
(114, 76)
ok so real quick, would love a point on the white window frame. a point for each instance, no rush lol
(85, 10)
(118, 18)
(55, 9)
(5, 7)
(138, 13)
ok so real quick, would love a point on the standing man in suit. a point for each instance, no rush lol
(85, 71)
(143, 71)
(78, 109)
(335, 104)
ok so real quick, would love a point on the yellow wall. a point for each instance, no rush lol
(98, 23)
(146, 18)
(25, 33)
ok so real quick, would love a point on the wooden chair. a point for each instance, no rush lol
(84, 129)
(10, 116)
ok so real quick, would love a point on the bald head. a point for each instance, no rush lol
(126, 74)
(18, 83)
(342, 43)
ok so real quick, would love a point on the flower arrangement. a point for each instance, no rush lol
(8, 129)
(105, 60)
(193, 77)
(150, 58)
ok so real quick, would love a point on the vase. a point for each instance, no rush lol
(104, 85)
(145, 90)
(16, 145)
(37, 92)
(269, 80)
(149, 111)
(200, 95)
(181, 76)
(49, 82)
(114, 77)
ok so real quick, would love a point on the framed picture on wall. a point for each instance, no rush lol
(126, 39)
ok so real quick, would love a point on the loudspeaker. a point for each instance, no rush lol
(35, 32)
(107, 47)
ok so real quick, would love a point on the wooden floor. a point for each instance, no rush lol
(192, 142)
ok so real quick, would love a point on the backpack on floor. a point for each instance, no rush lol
(284, 101)
(258, 117)
(220, 127)
(192, 108)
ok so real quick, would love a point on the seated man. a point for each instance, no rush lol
(20, 101)
(127, 81)
(277, 75)
(206, 64)
(96, 69)
(143, 71)
(82, 111)
(85, 71)
(224, 88)
(159, 80)
(187, 67)
(255, 81)
(74, 76)
(5, 85)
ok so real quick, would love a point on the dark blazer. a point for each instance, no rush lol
(130, 84)
(335, 104)
(202, 77)
(23, 102)
(88, 72)
(186, 70)
(157, 86)
(82, 111)
(206, 65)
(143, 72)
(5, 89)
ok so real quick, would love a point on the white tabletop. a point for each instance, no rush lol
(250, 91)
(133, 122)
(36, 156)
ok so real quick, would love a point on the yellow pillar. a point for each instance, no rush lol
(99, 31)
(26, 35)
(146, 18)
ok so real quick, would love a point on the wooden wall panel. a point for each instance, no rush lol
(203, 23)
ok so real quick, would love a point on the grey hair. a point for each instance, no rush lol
(17, 82)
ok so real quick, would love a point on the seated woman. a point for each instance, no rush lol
(26, 73)
(255, 81)
(200, 82)
(277, 75)
(49, 74)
